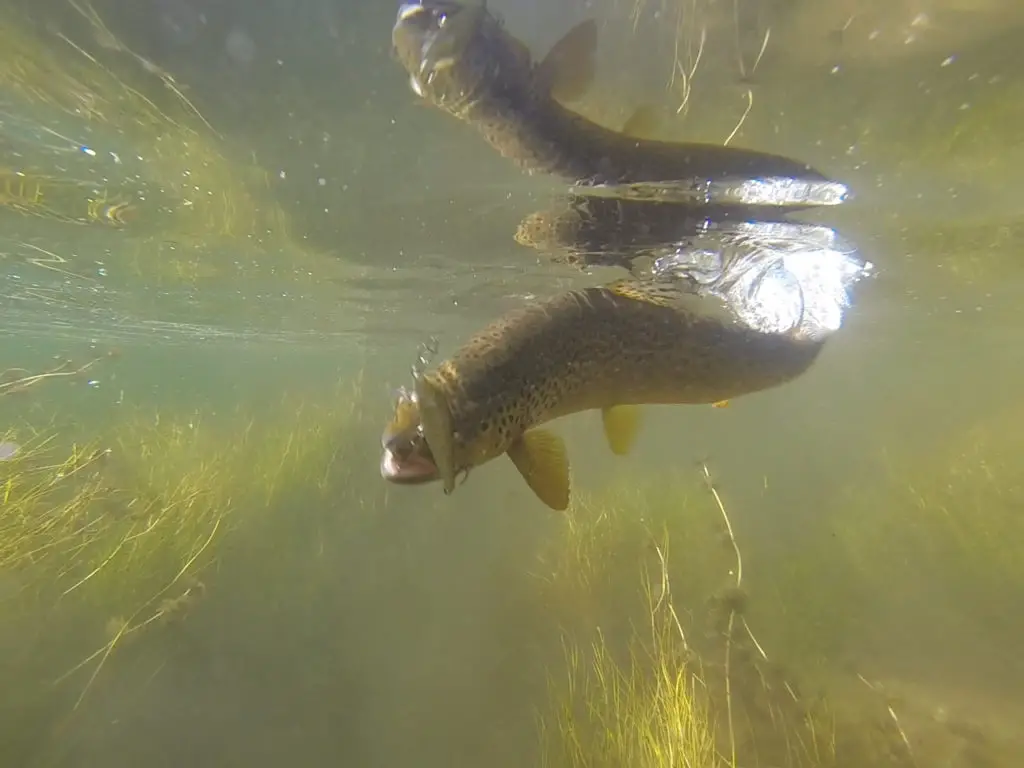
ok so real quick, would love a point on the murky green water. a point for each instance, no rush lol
(199, 562)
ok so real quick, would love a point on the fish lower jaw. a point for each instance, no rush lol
(414, 470)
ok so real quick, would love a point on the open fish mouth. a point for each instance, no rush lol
(415, 32)
(429, 38)
(411, 468)
(406, 457)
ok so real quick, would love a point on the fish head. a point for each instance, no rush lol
(406, 458)
(420, 443)
(451, 50)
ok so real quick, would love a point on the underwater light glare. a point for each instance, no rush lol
(768, 192)
(778, 191)
(783, 278)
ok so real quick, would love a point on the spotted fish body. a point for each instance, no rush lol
(463, 61)
(627, 343)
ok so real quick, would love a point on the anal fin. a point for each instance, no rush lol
(621, 424)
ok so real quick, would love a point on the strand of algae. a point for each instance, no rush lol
(692, 29)
(16, 380)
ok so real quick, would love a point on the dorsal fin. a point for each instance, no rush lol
(567, 72)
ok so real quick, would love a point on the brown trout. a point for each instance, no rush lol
(608, 348)
(461, 59)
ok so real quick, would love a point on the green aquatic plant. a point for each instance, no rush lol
(947, 524)
(650, 712)
(45, 489)
(172, 176)
(662, 663)
(118, 533)
(62, 200)
(655, 710)
(588, 570)
(736, 62)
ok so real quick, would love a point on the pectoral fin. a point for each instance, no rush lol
(621, 424)
(567, 72)
(541, 459)
(642, 124)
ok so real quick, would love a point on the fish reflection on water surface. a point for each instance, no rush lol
(742, 310)
(462, 60)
